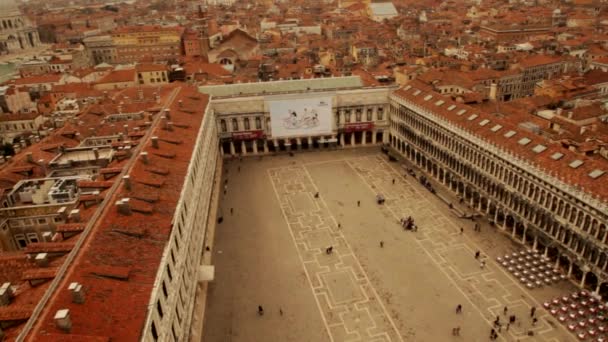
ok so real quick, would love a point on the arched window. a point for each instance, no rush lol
(358, 115)
(258, 123)
(369, 114)
(235, 125)
(223, 127)
(246, 123)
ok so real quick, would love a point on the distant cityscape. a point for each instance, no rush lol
(118, 120)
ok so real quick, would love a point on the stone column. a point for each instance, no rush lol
(557, 261)
(265, 146)
(582, 284)
(275, 142)
(299, 143)
(373, 137)
(255, 147)
(364, 136)
(342, 139)
(523, 237)
(243, 147)
(535, 243)
(597, 288)
(352, 139)
(310, 142)
(570, 269)
(232, 149)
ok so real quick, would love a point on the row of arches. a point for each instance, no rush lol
(533, 212)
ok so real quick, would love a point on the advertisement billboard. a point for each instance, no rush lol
(300, 117)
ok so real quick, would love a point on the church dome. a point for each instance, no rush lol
(8, 8)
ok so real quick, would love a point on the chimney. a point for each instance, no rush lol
(123, 206)
(149, 116)
(570, 115)
(180, 103)
(47, 237)
(558, 111)
(42, 259)
(126, 127)
(157, 98)
(170, 126)
(168, 114)
(493, 91)
(154, 141)
(62, 320)
(96, 153)
(62, 212)
(120, 136)
(164, 121)
(75, 215)
(126, 180)
(144, 157)
(6, 294)
(77, 293)
(29, 157)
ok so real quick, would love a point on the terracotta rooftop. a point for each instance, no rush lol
(120, 254)
(576, 170)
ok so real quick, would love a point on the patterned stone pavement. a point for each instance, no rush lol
(489, 289)
(349, 305)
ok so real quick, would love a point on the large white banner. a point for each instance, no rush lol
(300, 117)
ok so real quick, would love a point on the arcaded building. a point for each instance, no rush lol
(542, 194)
(16, 31)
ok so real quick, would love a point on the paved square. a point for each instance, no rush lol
(271, 252)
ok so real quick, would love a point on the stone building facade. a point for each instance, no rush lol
(536, 207)
(16, 32)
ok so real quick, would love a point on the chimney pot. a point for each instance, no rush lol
(123, 206)
(127, 182)
(62, 320)
(75, 215)
(42, 259)
(77, 293)
(126, 129)
(29, 157)
(155, 141)
(144, 157)
(6, 294)
(170, 126)
(168, 114)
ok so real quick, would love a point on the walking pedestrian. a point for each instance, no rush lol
(381, 244)
(504, 311)
(339, 225)
(231, 211)
(317, 194)
(492, 334)
(239, 169)
(453, 331)
(358, 203)
(458, 308)
(393, 180)
(280, 311)
(461, 230)
(508, 325)
(260, 310)
(532, 311)
(329, 250)
(477, 254)
(534, 320)
(482, 265)
(457, 331)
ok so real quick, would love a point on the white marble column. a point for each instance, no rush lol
(373, 137)
(232, 149)
(243, 148)
(255, 147)
(363, 138)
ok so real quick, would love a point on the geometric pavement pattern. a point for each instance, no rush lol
(349, 305)
(488, 289)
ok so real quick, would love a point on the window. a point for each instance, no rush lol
(159, 308)
(154, 332)
(21, 242)
(235, 125)
(369, 114)
(223, 127)
(258, 123)
(169, 272)
(358, 115)
(32, 237)
(380, 113)
(246, 124)
(165, 290)
(347, 116)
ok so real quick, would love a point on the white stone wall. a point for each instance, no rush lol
(176, 280)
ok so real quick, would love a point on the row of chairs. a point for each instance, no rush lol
(532, 269)
(582, 313)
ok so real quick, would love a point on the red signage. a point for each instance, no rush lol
(249, 135)
(358, 127)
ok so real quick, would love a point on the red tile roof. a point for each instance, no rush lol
(127, 245)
